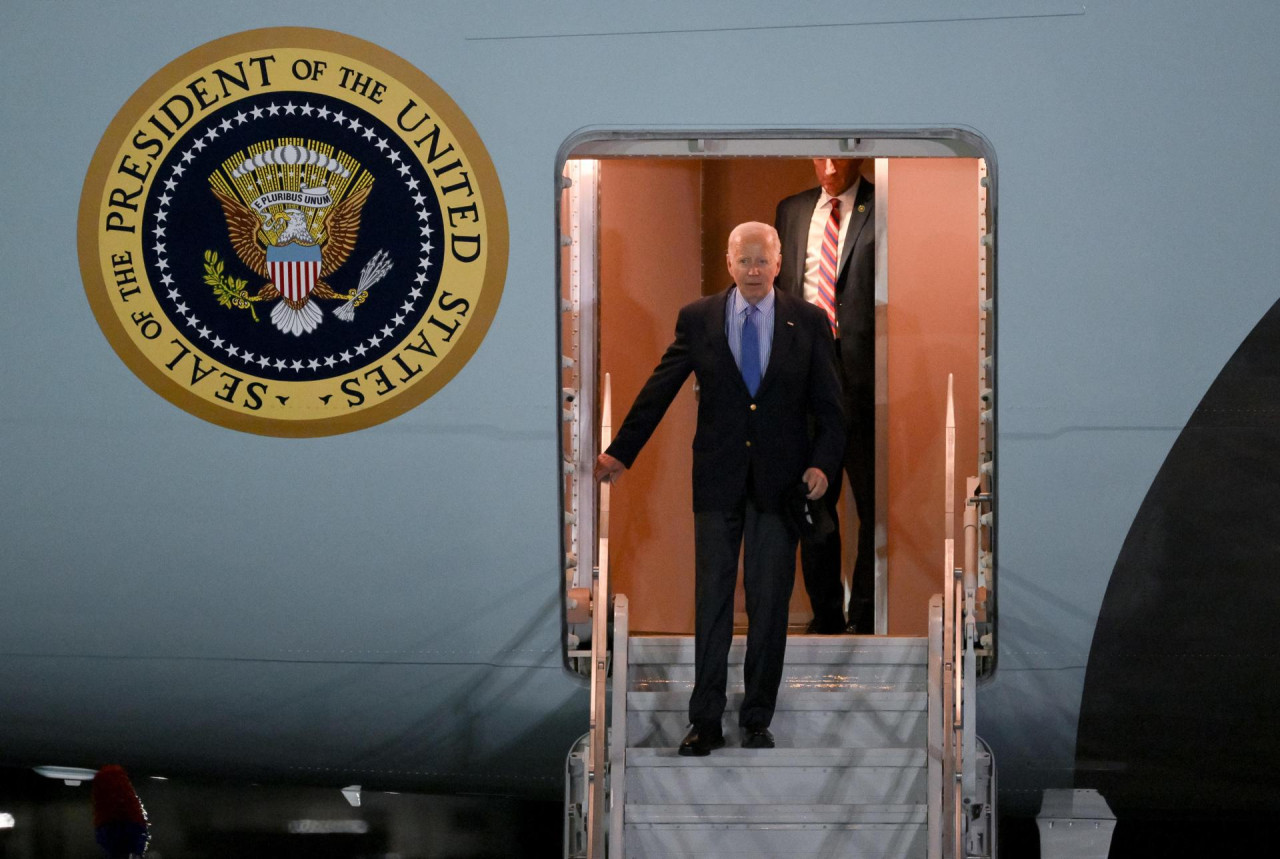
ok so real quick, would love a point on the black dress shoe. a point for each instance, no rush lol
(700, 742)
(816, 628)
(757, 738)
(862, 620)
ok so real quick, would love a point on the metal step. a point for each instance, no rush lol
(793, 729)
(847, 650)
(835, 699)
(656, 677)
(788, 779)
(803, 719)
(783, 841)
(812, 815)
(733, 756)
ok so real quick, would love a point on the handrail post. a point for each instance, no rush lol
(960, 752)
(950, 698)
(618, 731)
(970, 668)
(936, 734)
(952, 776)
(599, 656)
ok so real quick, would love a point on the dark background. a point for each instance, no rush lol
(206, 820)
(211, 820)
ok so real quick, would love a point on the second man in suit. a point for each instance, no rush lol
(828, 259)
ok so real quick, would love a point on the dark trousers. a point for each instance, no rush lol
(821, 560)
(769, 552)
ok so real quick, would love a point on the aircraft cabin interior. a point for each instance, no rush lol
(644, 225)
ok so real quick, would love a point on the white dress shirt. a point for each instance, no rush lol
(818, 227)
(735, 313)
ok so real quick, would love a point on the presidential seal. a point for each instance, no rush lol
(292, 232)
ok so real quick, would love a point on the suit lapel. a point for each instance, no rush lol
(862, 200)
(715, 326)
(784, 331)
(718, 340)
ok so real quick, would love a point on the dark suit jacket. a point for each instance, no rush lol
(855, 286)
(768, 436)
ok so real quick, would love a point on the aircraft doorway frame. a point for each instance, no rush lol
(575, 208)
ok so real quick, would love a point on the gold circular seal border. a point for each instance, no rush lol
(444, 107)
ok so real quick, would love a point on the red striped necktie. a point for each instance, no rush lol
(829, 264)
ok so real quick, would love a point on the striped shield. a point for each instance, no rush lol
(294, 269)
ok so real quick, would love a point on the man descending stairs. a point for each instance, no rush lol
(847, 776)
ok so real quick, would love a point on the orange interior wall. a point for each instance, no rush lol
(739, 190)
(663, 227)
(932, 318)
(650, 267)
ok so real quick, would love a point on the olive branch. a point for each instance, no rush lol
(230, 291)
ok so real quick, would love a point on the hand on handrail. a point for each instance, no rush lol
(608, 468)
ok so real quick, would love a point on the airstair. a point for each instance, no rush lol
(876, 753)
(847, 778)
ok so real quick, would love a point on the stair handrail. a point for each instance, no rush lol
(952, 767)
(598, 729)
(951, 698)
(969, 686)
(618, 724)
(936, 743)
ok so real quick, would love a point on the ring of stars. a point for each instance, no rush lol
(253, 360)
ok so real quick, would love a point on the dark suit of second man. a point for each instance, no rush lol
(800, 220)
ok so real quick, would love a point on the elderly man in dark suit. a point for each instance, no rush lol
(769, 419)
(828, 237)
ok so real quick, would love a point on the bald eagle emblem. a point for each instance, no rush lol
(293, 217)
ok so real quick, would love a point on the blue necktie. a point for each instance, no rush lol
(751, 351)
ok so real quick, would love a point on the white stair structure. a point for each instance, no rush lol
(877, 754)
(847, 778)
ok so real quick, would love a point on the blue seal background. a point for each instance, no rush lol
(390, 221)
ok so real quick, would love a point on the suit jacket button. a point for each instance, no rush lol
(753, 407)
(748, 444)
